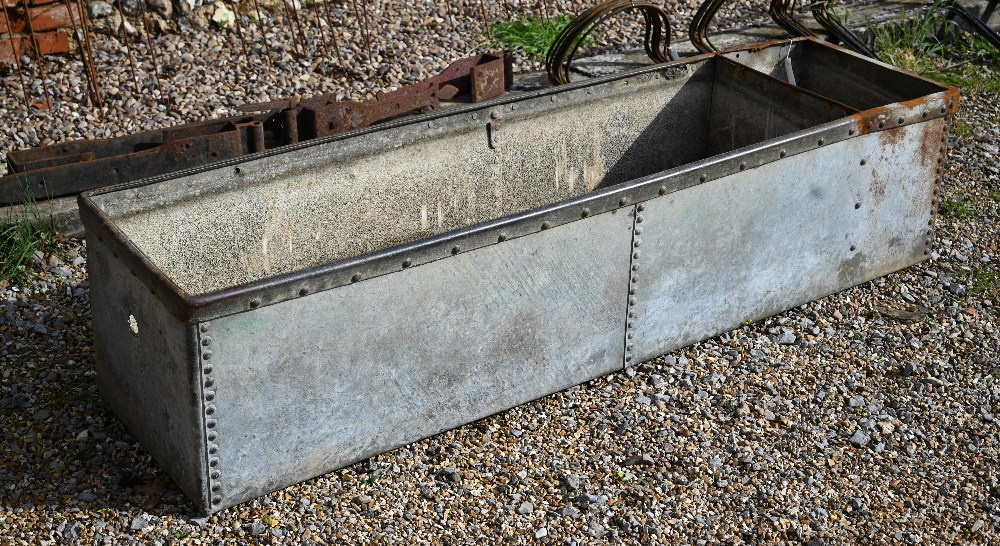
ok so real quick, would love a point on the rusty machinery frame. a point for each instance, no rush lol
(72, 167)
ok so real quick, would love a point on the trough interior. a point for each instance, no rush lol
(319, 204)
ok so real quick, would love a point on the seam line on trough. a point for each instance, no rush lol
(630, 292)
(206, 393)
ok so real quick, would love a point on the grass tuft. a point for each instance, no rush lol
(529, 34)
(957, 208)
(21, 235)
(930, 44)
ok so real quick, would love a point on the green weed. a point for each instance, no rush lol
(529, 34)
(956, 208)
(995, 196)
(23, 233)
(930, 44)
(962, 129)
(986, 282)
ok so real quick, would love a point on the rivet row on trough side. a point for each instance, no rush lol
(633, 281)
(938, 188)
(208, 393)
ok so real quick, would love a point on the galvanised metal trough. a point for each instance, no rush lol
(269, 319)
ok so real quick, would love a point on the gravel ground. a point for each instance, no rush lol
(868, 415)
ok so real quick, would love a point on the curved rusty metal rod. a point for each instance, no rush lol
(698, 31)
(333, 32)
(295, 36)
(990, 8)
(128, 48)
(152, 50)
(14, 53)
(781, 12)
(821, 12)
(239, 31)
(263, 33)
(656, 38)
(978, 25)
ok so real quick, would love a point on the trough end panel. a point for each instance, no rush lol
(756, 243)
(147, 369)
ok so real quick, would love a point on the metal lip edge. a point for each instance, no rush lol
(822, 43)
(412, 120)
(271, 290)
(279, 288)
(139, 264)
(813, 41)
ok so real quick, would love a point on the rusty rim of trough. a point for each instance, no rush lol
(630, 195)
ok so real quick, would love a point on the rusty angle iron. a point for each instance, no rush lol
(69, 168)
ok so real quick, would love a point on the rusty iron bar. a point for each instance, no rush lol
(314, 10)
(362, 29)
(263, 33)
(38, 53)
(295, 36)
(239, 31)
(88, 70)
(368, 30)
(333, 32)
(151, 47)
(128, 48)
(698, 30)
(300, 28)
(486, 20)
(782, 12)
(14, 53)
(85, 23)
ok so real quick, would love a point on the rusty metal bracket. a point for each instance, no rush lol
(319, 118)
(482, 77)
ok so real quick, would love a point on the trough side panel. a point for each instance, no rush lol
(753, 244)
(312, 384)
(146, 369)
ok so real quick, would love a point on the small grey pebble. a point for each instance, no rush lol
(571, 481)
(787, 338)
(86, 497)
(860, 439)
(257, 528)
(856, 401)
(957, 289)
(525, 508)
(140, 523)
(909, 369)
